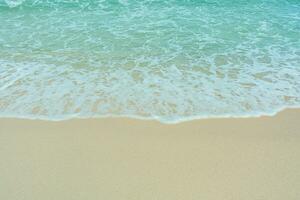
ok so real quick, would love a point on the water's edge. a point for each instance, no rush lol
(152, 118)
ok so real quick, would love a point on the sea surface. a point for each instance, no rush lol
(169, 60)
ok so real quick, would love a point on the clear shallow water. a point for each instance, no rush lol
(171, 60)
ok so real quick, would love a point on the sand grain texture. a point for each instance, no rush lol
(256, 158)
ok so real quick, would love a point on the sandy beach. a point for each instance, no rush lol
(215, 159)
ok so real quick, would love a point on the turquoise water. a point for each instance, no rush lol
(169, 60)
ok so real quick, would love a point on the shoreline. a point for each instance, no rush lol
(152, 118)
(121, 158)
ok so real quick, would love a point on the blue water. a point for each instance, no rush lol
(169, 60)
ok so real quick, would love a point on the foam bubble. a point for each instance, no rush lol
(14, 3)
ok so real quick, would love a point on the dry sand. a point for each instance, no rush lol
(126, 159)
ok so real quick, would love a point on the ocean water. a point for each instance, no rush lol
(170, 60)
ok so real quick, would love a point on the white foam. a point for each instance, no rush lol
(14, 3)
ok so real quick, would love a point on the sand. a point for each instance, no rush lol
(120, 159)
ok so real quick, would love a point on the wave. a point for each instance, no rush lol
(164, 60)
(90, 4)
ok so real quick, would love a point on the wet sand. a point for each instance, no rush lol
(112, 159)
